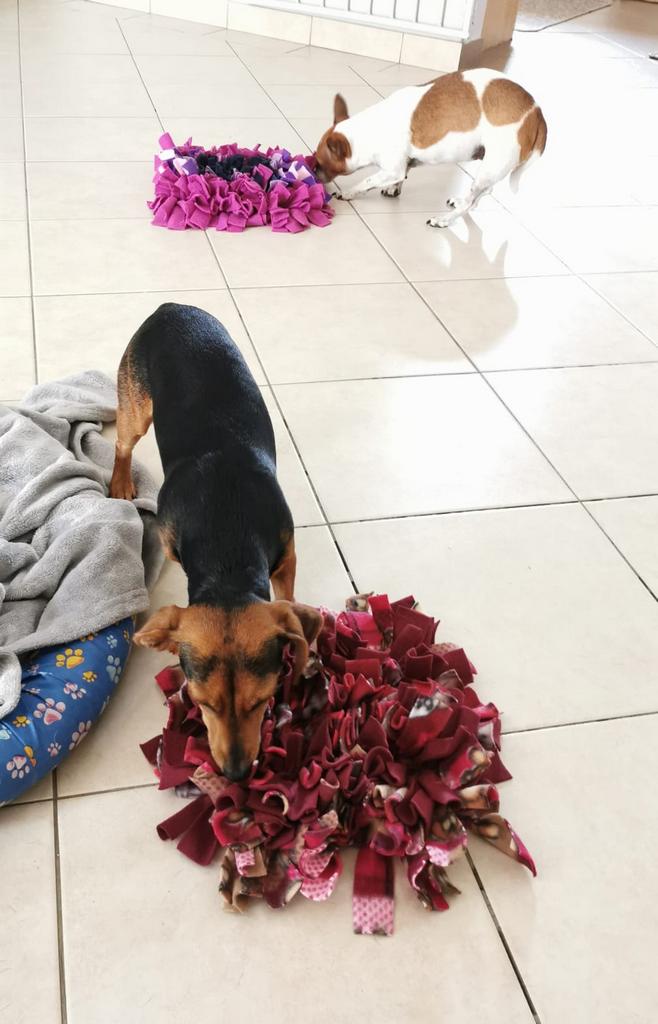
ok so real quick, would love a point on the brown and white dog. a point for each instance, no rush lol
(466, 115)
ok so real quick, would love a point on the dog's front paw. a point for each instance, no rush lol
(345, 196)
(440, 222)
(393, 191)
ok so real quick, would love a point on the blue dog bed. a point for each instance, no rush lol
(64, 690)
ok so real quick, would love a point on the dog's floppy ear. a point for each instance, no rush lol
(301, 625)
(338, 146)
(160, 630)
(340, 109)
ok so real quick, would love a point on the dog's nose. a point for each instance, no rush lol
(236, 769)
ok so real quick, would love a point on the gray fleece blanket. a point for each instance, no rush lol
(72, 560)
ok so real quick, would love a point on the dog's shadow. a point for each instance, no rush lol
(473, 299)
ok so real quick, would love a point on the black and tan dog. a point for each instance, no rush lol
(222, 515)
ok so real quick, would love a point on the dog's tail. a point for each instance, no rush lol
(532, 140)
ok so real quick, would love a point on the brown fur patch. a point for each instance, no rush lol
(168, 541)
(532, 134)
(332, 154)
(505, 102)
(451, 105)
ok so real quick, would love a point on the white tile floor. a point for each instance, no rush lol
(468, 415)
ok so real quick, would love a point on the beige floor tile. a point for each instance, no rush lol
(68, 35)
(415, 445)
(11, 139)
(146, 38)
(483, 246)
(645, 185)
(246, 131)
(107, 139)
(311, 129)
(545, 607)
(246, 99)
(8, 32)
(77, 331)
(246, 43)
(12, 192)
(597, 425)
(10, 90)
(534, 322)
(153, 883)
(17, 348)
(14, 262)
(95, 85)
(561, 180)
(592, 240)
(321, 576)
(207, 71)
(28, 939)
(291, 473)
(318, 100)
(344, 252)
(198, 99)
(632, 523)
(356, 332)
(575, 798)
(89, 191)
(634, 295)
(302, 68)
(119, 256)
(399, 76)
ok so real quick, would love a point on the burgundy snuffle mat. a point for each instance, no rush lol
(230, 188)
(383, 744)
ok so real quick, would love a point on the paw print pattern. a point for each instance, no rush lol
(20, 764)
(85, 639)
(4, 733)
(21, 721)
(54, 749)
(50, 710)
(126, 635)
(89, 677)
(79, 734)
(113, 667)
(111, 641)
(74, 691)
(71, 658)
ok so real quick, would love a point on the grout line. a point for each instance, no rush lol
(137, 69)
(503, 939)
(485, 377)
(576, 725)
(366, 82)
(272, 391)
(114, 789)
(58, 901)
(28, 224)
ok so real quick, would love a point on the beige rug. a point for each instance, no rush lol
(535, 15)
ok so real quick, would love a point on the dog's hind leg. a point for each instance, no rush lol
(494, 168)
(134, 417)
